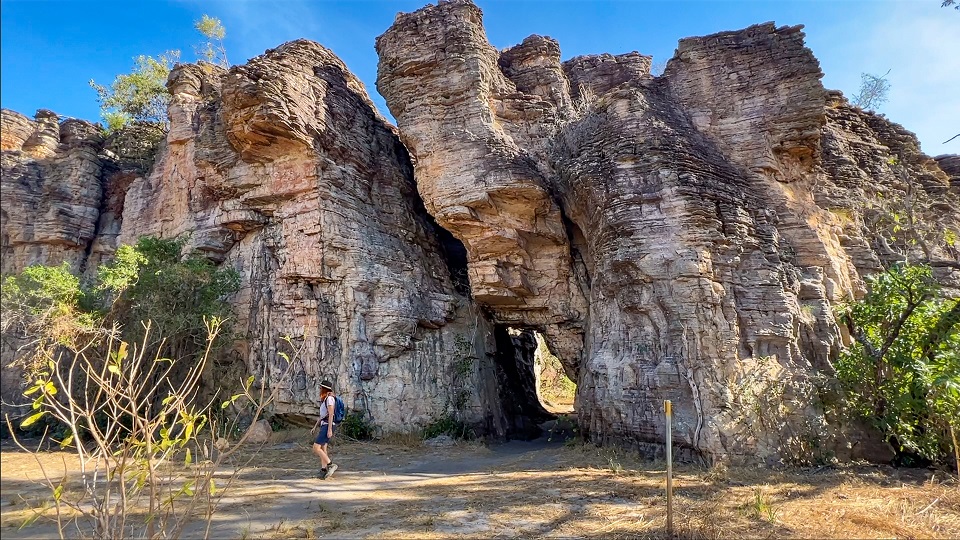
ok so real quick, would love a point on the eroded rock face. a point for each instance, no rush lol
(680, 237)
(51, 183)
(471, 132)
(283, 170)
(697, 217)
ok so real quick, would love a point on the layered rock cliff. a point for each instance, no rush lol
(678, 237)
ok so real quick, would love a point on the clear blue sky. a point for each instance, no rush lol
(50, 49)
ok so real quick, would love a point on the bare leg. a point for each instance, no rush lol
(321, 452)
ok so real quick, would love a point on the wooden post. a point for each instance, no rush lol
(668, 409)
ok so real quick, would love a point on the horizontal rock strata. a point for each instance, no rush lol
(683, 237)
(701, 243)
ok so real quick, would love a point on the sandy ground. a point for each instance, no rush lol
(533, 489)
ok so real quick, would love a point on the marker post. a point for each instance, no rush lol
(668, 409)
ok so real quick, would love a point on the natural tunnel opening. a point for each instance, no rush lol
(455, 256)
(555, 390)
(528, 383)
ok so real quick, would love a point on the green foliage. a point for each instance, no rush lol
(212, 50)
(356, 426)
(446, 425)
(873, 92)
(140, 95)
(150, 281)
(42, 290)
(903, 371)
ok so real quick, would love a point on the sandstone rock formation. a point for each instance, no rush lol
(689, 227)
(283, 169)
(679, 237)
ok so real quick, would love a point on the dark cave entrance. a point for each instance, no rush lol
(455, 255)
(517, 368)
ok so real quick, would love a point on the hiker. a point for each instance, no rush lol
(326, 424)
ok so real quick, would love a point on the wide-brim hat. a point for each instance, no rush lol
(326, 384)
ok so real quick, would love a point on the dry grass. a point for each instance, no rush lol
(400, 490)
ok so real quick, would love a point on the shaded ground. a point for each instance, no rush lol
(541, 489)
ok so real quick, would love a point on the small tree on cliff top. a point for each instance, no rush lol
(212, 50)
(873, 91)
(140, 95)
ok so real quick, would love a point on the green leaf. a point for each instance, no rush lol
(213, 487)
(188, 459)
(58, 492)
(32, 419)
(66, 441)
(113, 369)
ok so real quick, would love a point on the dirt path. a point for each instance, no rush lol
(545, 489)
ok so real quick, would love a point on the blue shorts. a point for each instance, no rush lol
(322, 436)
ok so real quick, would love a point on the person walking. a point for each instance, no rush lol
(326, 424)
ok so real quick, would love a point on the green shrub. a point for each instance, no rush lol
(902, 373)
(446, 425)
(151, 281)
(356, 426)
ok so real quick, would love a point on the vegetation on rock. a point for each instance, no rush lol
(873, 92)
(212, 50)
(142, 95)
(151, 281)
(903, 371)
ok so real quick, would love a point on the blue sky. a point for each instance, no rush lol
(50, 49)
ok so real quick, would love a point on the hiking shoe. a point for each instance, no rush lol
(331, 468)
(323, 474)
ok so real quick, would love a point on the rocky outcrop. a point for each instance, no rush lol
(64, 183)
(680, 237)
(698, 255)
(283, 170)
(51, 189)
(470, 135)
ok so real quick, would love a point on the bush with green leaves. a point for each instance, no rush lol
(151, 281)
(140, 95)
(902, 372)
(154, 281)
(446, 425)
(356, 426)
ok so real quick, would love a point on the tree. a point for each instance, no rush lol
(948, 3)
(903, 371)
(140, 95)
(212, 50)
(151, 281)
(873, 91)
(115, 373)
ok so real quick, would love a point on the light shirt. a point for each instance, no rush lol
(329, 402)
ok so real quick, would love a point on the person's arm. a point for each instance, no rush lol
(330, 402)
(317, 425)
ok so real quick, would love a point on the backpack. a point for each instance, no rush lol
(339, 410)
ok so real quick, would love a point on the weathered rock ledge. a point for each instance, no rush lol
(679, 237)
